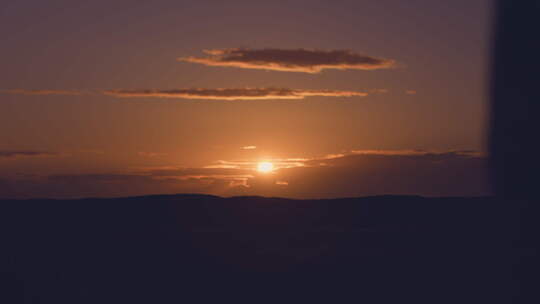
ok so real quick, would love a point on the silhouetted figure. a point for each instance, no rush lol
(514, 140)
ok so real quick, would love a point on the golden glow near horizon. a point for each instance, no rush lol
(265, 167)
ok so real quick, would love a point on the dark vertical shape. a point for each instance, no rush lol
(515, 140)
(515, 129)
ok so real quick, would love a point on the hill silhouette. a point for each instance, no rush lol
(207, 249)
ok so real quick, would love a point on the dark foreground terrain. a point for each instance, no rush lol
(206, 249)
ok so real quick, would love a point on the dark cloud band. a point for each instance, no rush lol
(291, 60)
(206, 93)
(357, 173)
(18, 154)
(44, 92)
(233, 94)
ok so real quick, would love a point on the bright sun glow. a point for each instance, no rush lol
(265, 167)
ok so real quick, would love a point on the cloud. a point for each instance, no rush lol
(208, 94)
(355, 173)
(187, 172)
(151, 154)
(363, 173)
(252, 164)
(410, 92)
(97, 178)
(370, 172)
(44, 92)
(91, 151)
(249, 147)
(290, 60)
(233, 94)
(378, 91)
(143, 182)
(465, 153)
(19, 154)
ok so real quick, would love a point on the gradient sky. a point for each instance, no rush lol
(66, 132)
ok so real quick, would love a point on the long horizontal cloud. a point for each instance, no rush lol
(44, 92)
(233, 94)
(290, 60)
(357, 173)
(205, 93)
(360, 173)
(18, 154)
(364, 172)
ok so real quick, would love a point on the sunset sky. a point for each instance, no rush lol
(300, 99)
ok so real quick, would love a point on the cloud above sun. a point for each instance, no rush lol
(233, 94)
(205, 93)
(290, 60)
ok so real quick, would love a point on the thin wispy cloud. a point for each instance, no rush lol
(205, 93)
(233, 94)
(378, 91)
(19, 154)
(290, 60)
(151, 154)
(464, 153)
(44, 92)
(279, 163)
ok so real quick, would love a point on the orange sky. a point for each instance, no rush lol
(101, 99)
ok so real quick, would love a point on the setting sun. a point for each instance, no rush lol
(265, 167)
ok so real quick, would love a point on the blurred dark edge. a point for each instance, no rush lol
(515, 94)
(513, 139)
